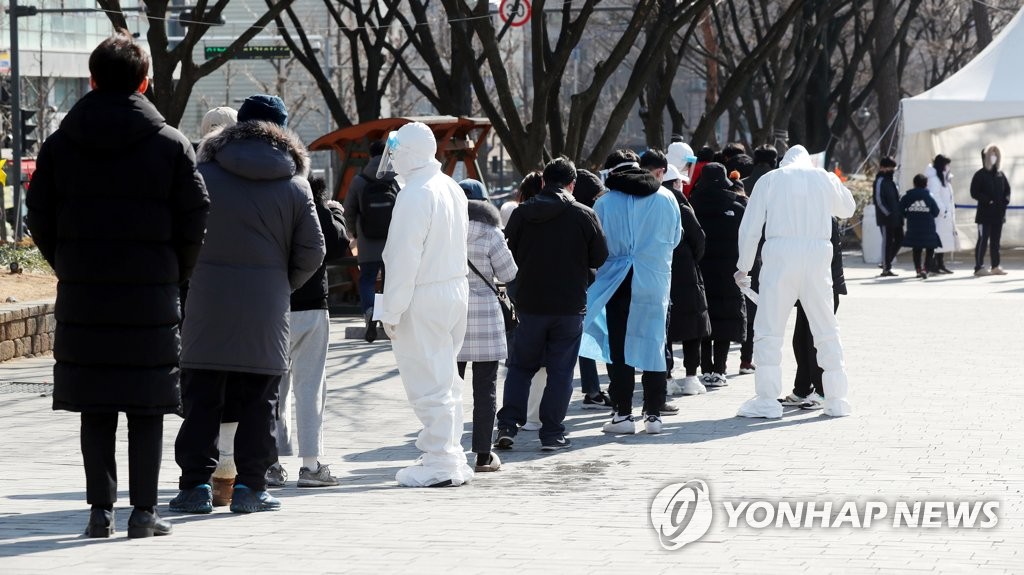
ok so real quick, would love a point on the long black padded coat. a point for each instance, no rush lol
(117, 208)
(688, 317)
(719, 212)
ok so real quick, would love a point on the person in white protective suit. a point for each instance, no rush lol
(680, 155)
(425, 302)
(795, 205)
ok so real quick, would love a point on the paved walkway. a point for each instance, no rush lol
(934, 368)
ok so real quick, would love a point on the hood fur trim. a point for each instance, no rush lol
(484, 212)
(277, 136)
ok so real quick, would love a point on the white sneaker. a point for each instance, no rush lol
(997, 271)
(531, 426)
(624, 424)
(672, 387)
(692, 386)
(715, 380)
(794, 399)
(652, 424)
(812, 402)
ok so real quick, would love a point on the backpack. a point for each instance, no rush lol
(375, 206)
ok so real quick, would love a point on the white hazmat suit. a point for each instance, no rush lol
(425, 303)
(795, 205)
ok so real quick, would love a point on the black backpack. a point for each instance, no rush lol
(375, 206)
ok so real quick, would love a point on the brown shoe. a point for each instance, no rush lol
(223, 488)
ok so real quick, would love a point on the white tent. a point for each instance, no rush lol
(983, 103)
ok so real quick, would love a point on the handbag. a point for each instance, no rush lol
(508, 311)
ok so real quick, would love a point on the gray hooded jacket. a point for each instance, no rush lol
(263, 241)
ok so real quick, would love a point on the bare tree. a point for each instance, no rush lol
(171, 95)
(368, 29)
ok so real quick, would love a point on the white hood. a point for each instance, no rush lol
(677, 154)
(797, 157)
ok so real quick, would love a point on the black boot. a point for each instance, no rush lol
(101, 522)
(144, 522)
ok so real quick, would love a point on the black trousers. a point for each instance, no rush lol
(691, 356)
(989, 236)
(808, 374)
(891, 238)
(485, 378)
(747, 347)
(145, 451)
(203, 394)
(622, 376)
(928, 255)
(713, 354)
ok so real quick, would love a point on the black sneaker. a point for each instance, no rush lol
(600, 401)
(887, 274)
(506, 438)
(554, 444)
(198, 499)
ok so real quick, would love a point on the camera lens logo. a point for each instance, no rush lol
(681, 513)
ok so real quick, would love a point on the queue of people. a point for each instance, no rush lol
(924, 217)
(223, 262)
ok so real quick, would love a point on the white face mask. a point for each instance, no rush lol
(993, 159)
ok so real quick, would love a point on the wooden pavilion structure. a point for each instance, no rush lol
(458, 140)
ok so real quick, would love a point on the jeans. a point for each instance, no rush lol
(590, 383)
(551, 341)
(808, 373)
(368, 282)
(485, 379)
(145, 448)
(202, 394)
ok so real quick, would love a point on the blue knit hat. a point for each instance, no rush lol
(263, 107)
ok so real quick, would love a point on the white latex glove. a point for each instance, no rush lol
(742, 279)
(390, 329)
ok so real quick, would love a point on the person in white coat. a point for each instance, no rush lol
(795, 205)
(425, 302)
(940, 184)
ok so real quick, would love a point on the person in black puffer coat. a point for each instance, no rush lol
(688, 320)
(120, 240)
(920, 209)
(719, 212)
(992, 190)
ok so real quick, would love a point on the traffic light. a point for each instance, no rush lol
(28, 127)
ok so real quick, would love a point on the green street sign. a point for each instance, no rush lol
(250, 52)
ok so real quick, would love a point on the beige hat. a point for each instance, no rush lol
(220, 117)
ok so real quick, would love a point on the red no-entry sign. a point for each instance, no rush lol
(515, 12)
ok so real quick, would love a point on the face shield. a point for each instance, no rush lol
(689, 164)
(387, 159)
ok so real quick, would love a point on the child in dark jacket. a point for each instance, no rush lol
(920, 210)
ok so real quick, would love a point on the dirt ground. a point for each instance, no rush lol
(27, 286)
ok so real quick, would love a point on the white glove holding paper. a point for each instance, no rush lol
(743, 281)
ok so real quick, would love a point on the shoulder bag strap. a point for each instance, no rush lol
(481, 276)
